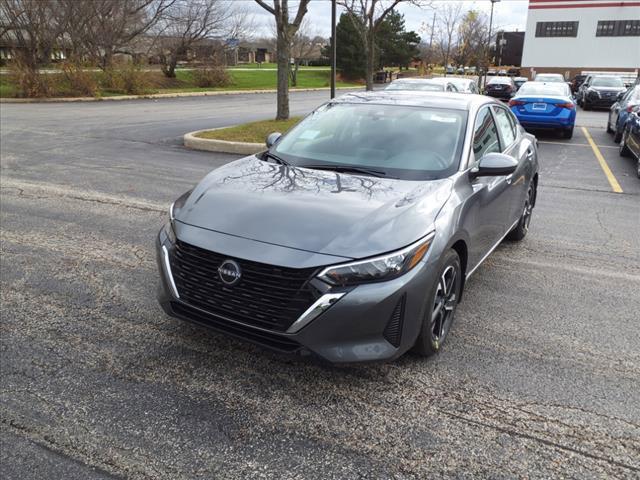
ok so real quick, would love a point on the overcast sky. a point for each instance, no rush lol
(508, 15)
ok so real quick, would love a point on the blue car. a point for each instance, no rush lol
(627, 102)
(545, 105)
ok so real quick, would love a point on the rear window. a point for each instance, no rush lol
(542, 89)
(501, 80)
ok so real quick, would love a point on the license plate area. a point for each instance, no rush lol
(539, 106)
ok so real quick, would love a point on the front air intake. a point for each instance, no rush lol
(393, 331)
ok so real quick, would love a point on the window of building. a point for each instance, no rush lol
(618, 28)
(557, 29)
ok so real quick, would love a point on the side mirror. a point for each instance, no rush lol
(495, 164)
(272, 139)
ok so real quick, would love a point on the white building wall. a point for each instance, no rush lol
(586, 50)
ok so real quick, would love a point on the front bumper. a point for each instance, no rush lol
(354, 329)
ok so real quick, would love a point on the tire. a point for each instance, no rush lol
(585, 105)
(623, 149)
(441, 306)
(567, 133)
(617, 136)
(521, 229)
(609, 129)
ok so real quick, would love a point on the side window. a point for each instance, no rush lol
(506, 127)
(485, 135)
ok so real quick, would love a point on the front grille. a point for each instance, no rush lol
(267, 296)
(267, 339)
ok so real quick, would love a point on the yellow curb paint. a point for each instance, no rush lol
(615, 186)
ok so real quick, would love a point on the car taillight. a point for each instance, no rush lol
(633, 108)
(516, 102)
(568, 105)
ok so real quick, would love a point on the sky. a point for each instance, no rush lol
(508, 15)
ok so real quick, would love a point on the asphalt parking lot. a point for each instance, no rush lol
(539, 378)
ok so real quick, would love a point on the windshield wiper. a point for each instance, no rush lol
(275, 157)
(348, 169)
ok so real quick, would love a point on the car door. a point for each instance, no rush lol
(614, 113)
(488, 203)
(518, 182)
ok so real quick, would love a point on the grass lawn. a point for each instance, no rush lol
(250, 79)
(254, 132)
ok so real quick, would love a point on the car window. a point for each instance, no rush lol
(506, 126)
(485, 135)
(412, 143)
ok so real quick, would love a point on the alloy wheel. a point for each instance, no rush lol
(528, 210)
(445, 304)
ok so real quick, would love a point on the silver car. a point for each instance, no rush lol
(352, 236)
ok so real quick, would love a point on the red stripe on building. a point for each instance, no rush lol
(585, 5)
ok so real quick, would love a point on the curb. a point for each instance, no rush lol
(161, 95)
(220, 146)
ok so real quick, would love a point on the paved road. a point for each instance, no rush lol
(539, 378)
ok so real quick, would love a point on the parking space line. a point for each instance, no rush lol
(566, 144)
(615, 186)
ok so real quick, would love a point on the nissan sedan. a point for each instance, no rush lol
(351, 238)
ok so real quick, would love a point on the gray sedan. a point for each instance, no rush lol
(352, 236)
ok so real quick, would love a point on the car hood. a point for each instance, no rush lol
(314, 210)
(608, 89)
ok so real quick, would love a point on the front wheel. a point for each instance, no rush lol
(441, 307)
(521, 229)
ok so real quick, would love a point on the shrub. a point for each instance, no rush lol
(80, 82)
(207, 77)
(29, 82)
(129, 79)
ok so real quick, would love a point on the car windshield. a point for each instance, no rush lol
(413, 143)
(422, 86)
(542, 89)
(607, 82)
(549, 78)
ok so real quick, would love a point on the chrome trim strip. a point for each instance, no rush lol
(171, 216)
(318, 307)
(491, 249)
(167, 268)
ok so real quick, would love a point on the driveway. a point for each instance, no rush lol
(539, 378)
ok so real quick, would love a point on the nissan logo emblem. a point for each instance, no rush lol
(229, 272)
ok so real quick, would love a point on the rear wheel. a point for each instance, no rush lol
(567, 132)
(521, 229)
(585, 105)
(609, 129)
(441, 307)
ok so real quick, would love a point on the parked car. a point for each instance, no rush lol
(451, 70)
(352, 236)
(519, 81)
(491, 72)
(576, 82)
(630, 141)
(440, 84)
(500, 87)
(600, 91)
(549, 77)
(541, 105)
(502, 72)
(463, 85)
(460, 71)
(626, 103)
(514, 72)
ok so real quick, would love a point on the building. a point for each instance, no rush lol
(574, 36)
(508, 48)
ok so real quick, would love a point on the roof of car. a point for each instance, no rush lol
(414, 80)
(456, 101)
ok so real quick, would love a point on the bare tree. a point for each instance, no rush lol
(472, 39)
(449, 16)
(184, 24)
(33, 29)
(367, 16)
(304, 46)
(286, 30)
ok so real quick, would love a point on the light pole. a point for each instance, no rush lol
(489, 42)
(333, 48)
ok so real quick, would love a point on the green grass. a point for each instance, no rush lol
(254, 79)
(254, 132)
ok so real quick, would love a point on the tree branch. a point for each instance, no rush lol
(266, 7)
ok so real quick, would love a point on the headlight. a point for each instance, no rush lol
(384, 267)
